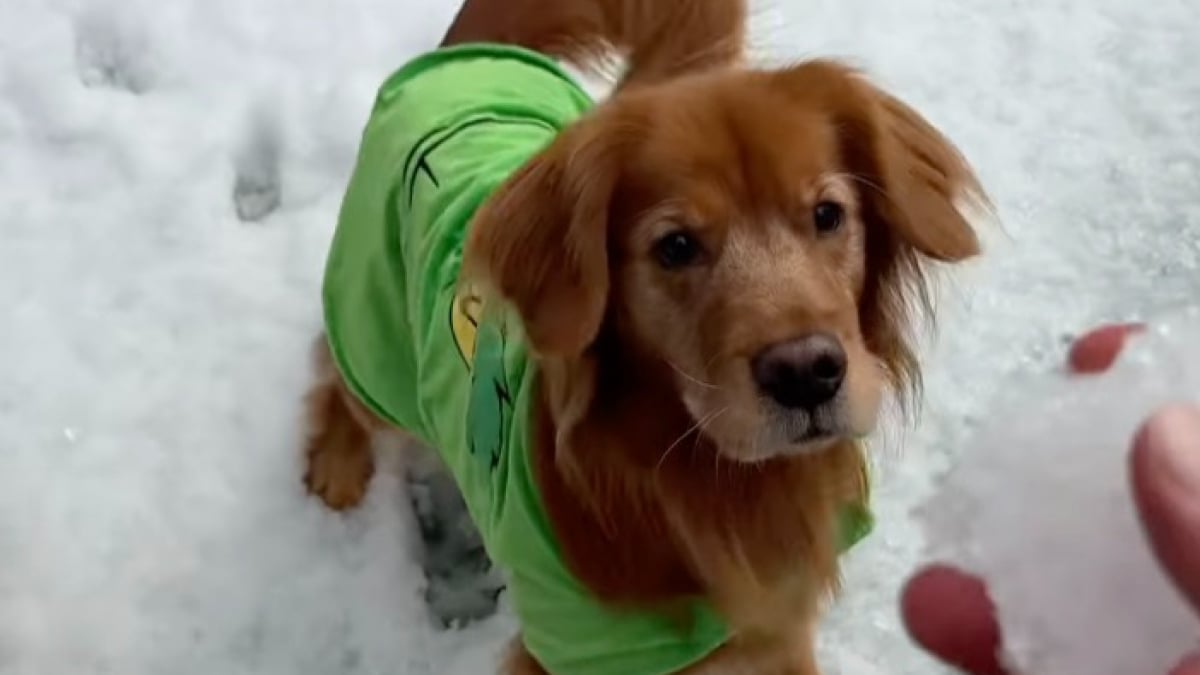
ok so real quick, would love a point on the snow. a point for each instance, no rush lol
(169, 177)
(1042, 508)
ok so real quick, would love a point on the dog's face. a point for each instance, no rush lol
(739, 258)
(758, 234)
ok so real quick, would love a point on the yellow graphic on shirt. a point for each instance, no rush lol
(481, 346)
(465, 315)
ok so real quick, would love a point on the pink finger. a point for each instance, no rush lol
(1096, 351)
(949, 613)
(1165, 473)
(1189, 666)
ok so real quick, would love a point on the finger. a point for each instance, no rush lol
(949, 613)
(1188, 666)
(1097, 350)
(1165, 473)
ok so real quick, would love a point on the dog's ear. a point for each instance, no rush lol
(915, 182)
(912, 183)
(926, 181)
(541, 242)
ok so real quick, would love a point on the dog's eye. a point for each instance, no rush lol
(828, 216)
(677, 249)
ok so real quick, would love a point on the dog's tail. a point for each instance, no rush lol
(658, 39)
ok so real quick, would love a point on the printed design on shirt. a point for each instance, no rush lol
(465, 315)
(418, 163)
(481, 344)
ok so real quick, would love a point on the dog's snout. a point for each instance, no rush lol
(802, 373)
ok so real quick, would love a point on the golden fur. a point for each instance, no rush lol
(663, 471)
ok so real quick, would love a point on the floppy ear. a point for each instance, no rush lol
(541, 241)
(925, 180)
(914, 179)
(912, 182)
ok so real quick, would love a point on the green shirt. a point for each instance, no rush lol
(445, 132)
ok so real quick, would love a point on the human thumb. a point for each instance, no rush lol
(1165, 471)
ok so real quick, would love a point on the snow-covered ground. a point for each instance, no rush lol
(154, 344)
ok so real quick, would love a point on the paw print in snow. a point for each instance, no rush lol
(112, 49)
(258, 185)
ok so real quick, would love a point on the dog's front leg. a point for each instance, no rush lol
(338, 447)
(775, 656)
(519, 661)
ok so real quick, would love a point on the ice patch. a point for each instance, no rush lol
(1042, 509)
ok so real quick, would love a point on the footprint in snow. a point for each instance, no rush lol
(258, 184)
(113, 50)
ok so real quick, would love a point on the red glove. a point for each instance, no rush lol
(948, 611)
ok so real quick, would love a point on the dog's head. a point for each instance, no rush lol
(754, 238)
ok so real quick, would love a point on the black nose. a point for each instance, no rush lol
(802, 373)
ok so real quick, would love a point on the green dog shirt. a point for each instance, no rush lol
(446, 131)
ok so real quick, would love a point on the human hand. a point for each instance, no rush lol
(948, 611)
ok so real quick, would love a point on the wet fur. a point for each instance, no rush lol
(651, 453)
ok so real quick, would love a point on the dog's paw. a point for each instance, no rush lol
(459, 598)
(339, 477)
(463, 586)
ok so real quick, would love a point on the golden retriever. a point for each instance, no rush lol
(715, 271)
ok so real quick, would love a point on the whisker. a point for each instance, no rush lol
(697, 427)
(707, 421)
(712, 360)
(861, 180)
(690, 377)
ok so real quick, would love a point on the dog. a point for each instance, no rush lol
(647, 336)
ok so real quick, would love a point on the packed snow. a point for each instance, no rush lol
(1042, 508)
(169, 178)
